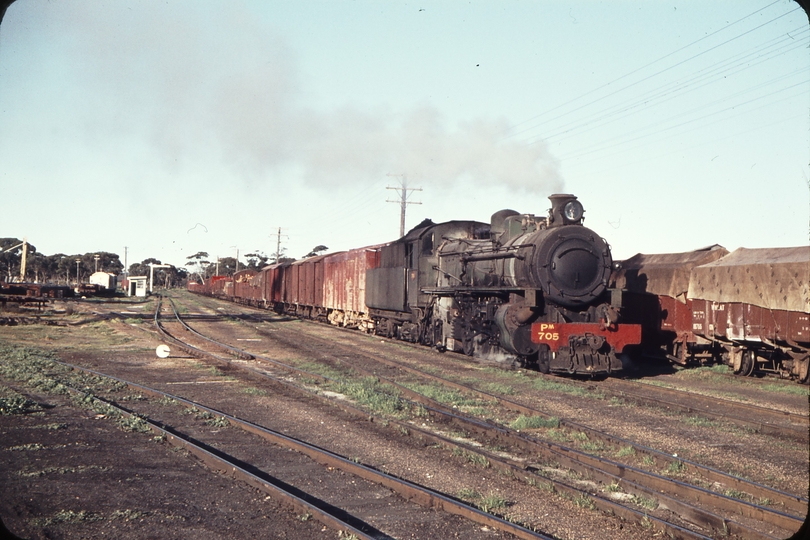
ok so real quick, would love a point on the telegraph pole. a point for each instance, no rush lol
(278, 244)
(403, 200)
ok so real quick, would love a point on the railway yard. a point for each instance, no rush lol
(262, 425)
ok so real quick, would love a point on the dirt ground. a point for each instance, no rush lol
(70, 473)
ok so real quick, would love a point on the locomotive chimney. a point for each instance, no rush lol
(565, 210)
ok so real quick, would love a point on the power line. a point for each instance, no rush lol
(673, 90)
(650, 64)
(729, 108)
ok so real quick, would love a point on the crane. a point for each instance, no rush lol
(24, 245)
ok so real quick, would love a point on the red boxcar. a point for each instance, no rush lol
(344, 286)
(243, 291)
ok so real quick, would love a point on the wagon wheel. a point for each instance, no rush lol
(747, 363)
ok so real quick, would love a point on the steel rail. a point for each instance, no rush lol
(641, 481)
(229, 466)
(792, 503)
(653, 484)
(410, 491)
(798, 423)
(182, 345)
(239, 353)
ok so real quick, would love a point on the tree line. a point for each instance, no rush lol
(62, 268)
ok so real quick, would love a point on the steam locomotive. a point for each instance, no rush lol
(524, 289)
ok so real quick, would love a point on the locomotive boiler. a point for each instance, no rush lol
(527, 289)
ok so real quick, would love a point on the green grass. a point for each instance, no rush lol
(472, 457)
(676, 467)
(250, 390)
(534, 422)
(645, 502)
(699, 421)
(498, 388)
(626, 451)
(592, 446)
(26, 447)
(370, 393)
(491, 502)
(583, 501)
(446, 396)
(468, 494)
(794, 390)
(16, 405)
(613, 488)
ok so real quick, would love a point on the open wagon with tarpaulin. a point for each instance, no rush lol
(654, 291)
(756, 302)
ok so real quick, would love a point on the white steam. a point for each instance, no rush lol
(224, 86)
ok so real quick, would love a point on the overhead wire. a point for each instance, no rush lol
(593, 125)
(678, 88)
(685, 122)
(513, 133)
(680, 150)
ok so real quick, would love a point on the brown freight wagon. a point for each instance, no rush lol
(749, 309)
(344, 286)
(654, 295)
(310, 286)
(243, 291)
(272, 285)
(756, 302)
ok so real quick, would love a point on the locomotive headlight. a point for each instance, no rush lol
(573, 211)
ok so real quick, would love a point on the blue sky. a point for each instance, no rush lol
(178, 127)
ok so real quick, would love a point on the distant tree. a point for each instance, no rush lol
(169, 277)
(142, 268)
(225, 266)
(107, 262)
(281, 259)
(38, 268)
(315, 251)
(257, 260)
(198, 264)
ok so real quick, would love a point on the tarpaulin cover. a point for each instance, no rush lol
(771, 278)
(665, 274)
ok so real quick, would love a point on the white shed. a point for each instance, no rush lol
(105, 279)
(136, 285)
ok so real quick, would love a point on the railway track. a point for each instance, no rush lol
(328, 512)
(761, 419)
(641, 482)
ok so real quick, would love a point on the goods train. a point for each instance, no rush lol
(749, 309)
(524, 289)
